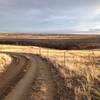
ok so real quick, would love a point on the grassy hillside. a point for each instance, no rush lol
(79, 70)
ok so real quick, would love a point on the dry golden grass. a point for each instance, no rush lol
(80, 69)
(5, 60)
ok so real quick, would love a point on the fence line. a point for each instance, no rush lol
(63, 57)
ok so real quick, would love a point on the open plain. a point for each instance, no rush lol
(47, 67)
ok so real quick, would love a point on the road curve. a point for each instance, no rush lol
(10, 75)
(35, 84)
(21, 89)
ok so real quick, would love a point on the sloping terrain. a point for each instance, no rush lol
(35, 73)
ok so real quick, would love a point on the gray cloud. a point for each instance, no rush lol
(95, 30)
(43, 4)
(49, 14)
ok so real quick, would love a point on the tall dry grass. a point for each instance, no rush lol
(79, 69)
(5, 60)
(81, 73)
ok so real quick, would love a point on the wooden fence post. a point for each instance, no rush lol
(64, 58)
(47, 52)
(39, 50)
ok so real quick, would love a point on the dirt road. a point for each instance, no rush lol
(28, 78)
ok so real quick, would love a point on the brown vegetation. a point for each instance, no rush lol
(61, 74)
(67, 42)
(78, 71)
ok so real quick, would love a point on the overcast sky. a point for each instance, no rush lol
(74, 16)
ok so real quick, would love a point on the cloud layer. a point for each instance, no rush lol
(50, 15)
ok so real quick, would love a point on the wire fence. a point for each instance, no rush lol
(62, 57)
(65, 57)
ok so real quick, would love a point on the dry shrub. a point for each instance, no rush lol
(80, 74)
(82, 78)
(5, 60)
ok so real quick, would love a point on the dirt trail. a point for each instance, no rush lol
(37, 82)
(22, 88)
(11, 74)
(44, 88)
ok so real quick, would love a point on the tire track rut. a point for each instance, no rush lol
(44, 86)
(20, 91)
(12, 76)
